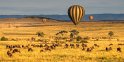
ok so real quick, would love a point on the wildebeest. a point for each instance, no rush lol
(9, 54)
(72, 45)
(77, 45)
(83, 48)
(15, 50)
(96, 45)
(66, 46)
(84, 45)
(42, 50)
(30, 50)
(108, 48)
(47, 48)
(89, 49)
(110, 44)
(46, 45)
(118, 49)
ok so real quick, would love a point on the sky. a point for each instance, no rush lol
(49, 7)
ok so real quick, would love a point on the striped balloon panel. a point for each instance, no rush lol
(76, 13)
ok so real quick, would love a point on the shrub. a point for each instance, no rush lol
(4, 38)
(111, 33)
(40, 34)
(86, 38)
(84, 41)
(79, 38)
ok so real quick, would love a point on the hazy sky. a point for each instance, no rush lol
(37, 7)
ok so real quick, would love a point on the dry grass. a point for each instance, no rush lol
(91, 29)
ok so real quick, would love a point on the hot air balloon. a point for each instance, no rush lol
(76, 13)
(91, 17)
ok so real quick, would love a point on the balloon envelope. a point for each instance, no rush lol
(76, 13)
(91, 17)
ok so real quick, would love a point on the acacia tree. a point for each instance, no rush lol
(61, 35)
(111, 34)
(74, 33)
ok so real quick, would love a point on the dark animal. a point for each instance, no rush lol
(84, 45)
(42, 50)
(108, 48)
(30, 50)
(110, 44)
(83, 48)
(15, 50)
(89, 49)
(47, 48)
(72, 45)
(9, 54)
(96, 45)
(118, 49)
(77, 45)
(66, 46)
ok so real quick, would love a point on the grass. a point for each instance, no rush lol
(65, 55)
(91, 29)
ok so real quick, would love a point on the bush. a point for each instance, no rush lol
(40, 34)
(86, 38)
(79, 38)
(4, 38)
(111, 33)
(84, 41)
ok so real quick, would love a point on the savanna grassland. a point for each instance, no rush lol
(94, 44)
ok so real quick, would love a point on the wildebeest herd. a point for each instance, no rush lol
(11, 49)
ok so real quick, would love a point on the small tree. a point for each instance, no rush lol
(111, 33)
(79, 38)
(40, 34)
(74, 33)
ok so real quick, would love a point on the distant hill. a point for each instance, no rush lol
(104, 17)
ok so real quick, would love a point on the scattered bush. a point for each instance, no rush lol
(4, 38)
(84, 41)
(40, 34)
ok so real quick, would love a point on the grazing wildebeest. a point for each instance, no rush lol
(84, 45)
(108, 48)
(56, 44)
(96, 45)
(42, 50)
(9, 54)
(15, 50)
(77, 45)
(41, 45)
(110, 44)
(30, 50)
(89, 49)
(72, 45)
(46, 45)
(118, 49)
(83, 48)
(52, 47)
(47, 48)
(66, 46)
(92, 47)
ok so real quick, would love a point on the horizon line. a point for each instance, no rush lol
(58, 14)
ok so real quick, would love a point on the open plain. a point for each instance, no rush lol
(29, 47)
